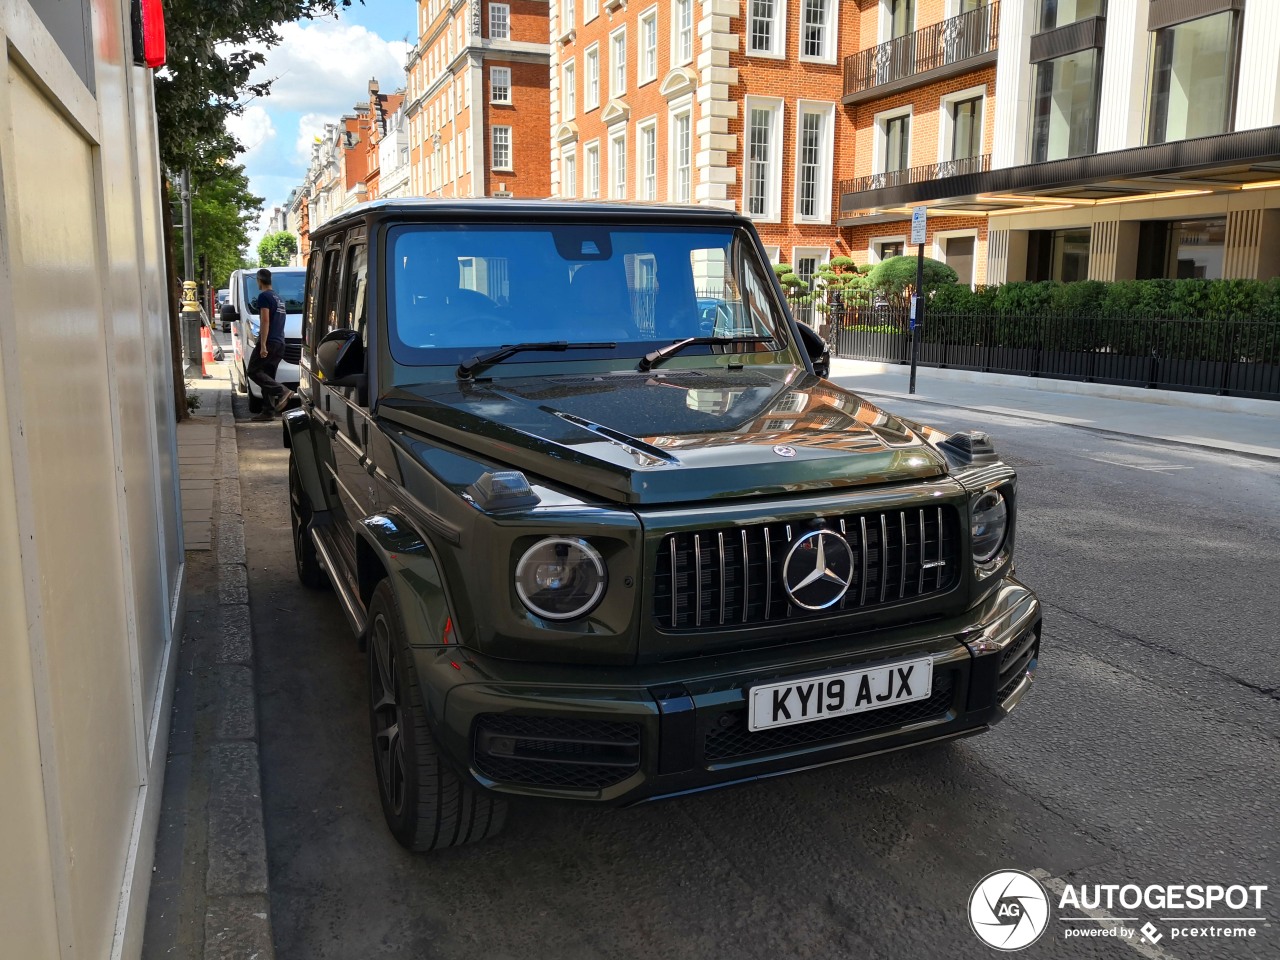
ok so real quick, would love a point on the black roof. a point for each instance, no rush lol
(484, 208)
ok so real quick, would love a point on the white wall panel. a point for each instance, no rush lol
(1013, 83)
(1258, 99)
(62, 348)
(1124, 76)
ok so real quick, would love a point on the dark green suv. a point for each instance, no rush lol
(600, 551)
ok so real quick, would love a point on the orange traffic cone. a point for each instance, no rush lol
(206, 352)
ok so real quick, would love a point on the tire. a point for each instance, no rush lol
(426, 805)
(310, 574)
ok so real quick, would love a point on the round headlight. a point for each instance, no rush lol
(560, 578)
(990, 521)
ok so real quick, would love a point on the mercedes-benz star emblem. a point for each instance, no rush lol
(783, 450)
(818, 570)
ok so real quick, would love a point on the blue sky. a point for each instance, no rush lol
(322, 70)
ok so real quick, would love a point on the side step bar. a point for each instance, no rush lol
(351, 604)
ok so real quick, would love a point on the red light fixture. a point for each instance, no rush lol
(148, 33)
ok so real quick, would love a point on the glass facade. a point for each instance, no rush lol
(1065, 118)
(1059, 13)
(1070, 255)
(1192, 76)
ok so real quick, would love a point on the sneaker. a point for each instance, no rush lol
(284, 400)
(266, 414)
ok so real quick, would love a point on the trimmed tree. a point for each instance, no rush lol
(277, 249)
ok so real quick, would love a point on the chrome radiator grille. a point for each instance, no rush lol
(733, 576)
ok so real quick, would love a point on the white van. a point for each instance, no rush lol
(289, 284)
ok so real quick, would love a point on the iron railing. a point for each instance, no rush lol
(1236, 357)
(929, 171)
(950, 41)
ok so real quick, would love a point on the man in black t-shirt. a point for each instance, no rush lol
(269, 350)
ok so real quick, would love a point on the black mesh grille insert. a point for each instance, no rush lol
(557, 752)
(1014, 663)
(292, 351)
(733, 577)
(732, 739)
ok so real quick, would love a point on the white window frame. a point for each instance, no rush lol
(618, 152)
(821, 254)
(678, 59)
(494, 73)
(618, 42)
(590, 10)
(937, 248)
(646, 182)
(830, 35)
(505, 19)
(826, 159)
(568, 90)
(591, 170)
(591, 78)
(773, 180)
(778, 38)
(946, 123)
(569, 158)
(774, 253)
(676, 109)
(646, 22)
(873, 246)
(878, 124)
(493, 148)
(568, 17)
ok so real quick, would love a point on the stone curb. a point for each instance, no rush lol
(237, 922)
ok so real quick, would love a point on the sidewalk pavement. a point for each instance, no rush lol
(208, 896)
(1250, 427)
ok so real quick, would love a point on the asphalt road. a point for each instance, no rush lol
(1147, 753)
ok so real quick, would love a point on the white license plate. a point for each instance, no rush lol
(838, 694)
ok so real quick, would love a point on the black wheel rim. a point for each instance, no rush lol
(388, 744)
(295, 517)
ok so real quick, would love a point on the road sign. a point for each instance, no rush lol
(918, 215)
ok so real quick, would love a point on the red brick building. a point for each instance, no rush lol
(371, 119)
(477, 100)
(781, 109)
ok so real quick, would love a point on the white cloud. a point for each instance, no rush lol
(253, 128)
(310, 126)
(325, 66)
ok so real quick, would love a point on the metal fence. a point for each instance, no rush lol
(1238, 357)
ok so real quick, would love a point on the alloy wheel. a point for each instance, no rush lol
(388, 744)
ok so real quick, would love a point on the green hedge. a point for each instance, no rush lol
(1137, 299)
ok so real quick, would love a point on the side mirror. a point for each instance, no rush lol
(817, 349)
(340, 357)
(229, 314)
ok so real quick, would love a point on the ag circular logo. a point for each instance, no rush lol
(818, 570)
(1008, 910)
(785, 450)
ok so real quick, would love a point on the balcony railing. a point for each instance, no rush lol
(933, 48)
(930, 171)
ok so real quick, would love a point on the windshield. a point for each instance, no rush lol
(289, 287)
(454, 288)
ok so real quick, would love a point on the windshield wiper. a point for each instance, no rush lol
(651, 360)
(467, 370)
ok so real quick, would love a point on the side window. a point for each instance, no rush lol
(357, 298)
(329, 305)
(311, 315)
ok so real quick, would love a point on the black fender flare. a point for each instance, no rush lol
(297, 428)
(390, 541)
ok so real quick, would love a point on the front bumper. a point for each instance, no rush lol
(622, 736)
